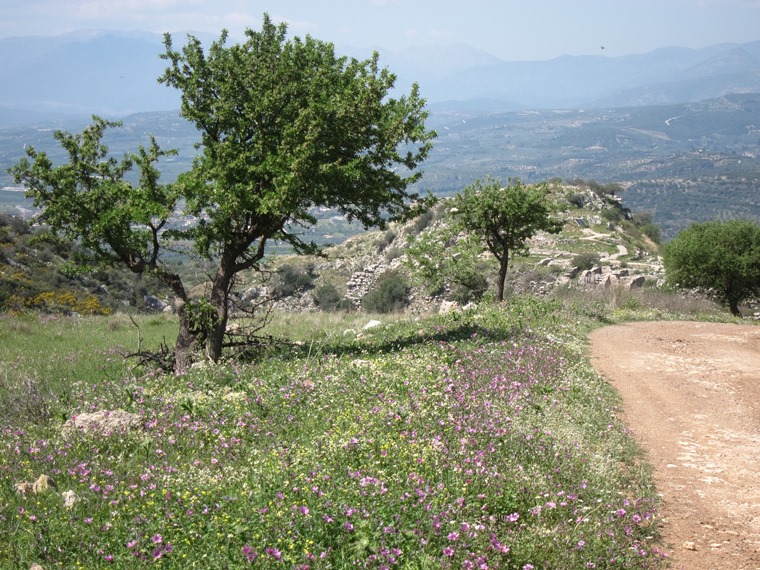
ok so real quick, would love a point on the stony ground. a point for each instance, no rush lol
(691, 395)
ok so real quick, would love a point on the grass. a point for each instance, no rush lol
(476, 440)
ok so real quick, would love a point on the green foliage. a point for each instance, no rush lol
(286, 126)
(440, 259)
(576, 199)
(390, 294)
(291, 279)
(584, 261)
(469, 287)
(88, 198)
(504, 218)
(644, 222)
(614, 215)
(329, 299)
(323, 131)
(721, 258)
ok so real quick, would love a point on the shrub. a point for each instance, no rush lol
(614, 215)
(391, 294)
(585, 261)
(470, 287)
(393, 253)
(290, 280)
(578, 200)
(328, 299)
(385, 240)
(422, 222)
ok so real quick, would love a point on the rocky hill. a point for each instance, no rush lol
(601, 245)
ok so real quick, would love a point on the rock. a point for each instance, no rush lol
(448, 307)
(690, 546)
(637, 282)
(42, 484)
(611, 280)
(154, 303)
(103, 421)
(373, 324)
(69, 498)
(36, 566)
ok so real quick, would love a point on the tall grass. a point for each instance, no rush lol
(476, 440)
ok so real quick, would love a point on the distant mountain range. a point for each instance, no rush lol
(115, 74)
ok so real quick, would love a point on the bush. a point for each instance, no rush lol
(290, 280)
(578, 200)
(584, 261)
(614, 215)
(470, 287)
(644, 221)
(422, 222)
(652, 231)
(328, 299)
(391, 294)
(385, 240)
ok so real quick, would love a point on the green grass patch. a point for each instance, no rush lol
(479, 439)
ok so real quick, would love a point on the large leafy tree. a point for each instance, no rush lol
(504, 218)
(285, 126)
(722, 258)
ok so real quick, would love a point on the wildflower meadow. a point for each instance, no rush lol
(480, 439)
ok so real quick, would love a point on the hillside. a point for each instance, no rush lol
(37, 274)
(601, 247)
(599, 235)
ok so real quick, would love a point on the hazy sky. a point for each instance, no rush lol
(510, 29)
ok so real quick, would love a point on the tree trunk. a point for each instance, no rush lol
(183, 349)
(219, 300)
(503, 266)
(185, 345)
(733, 304)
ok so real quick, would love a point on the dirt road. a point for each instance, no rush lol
(691, 395)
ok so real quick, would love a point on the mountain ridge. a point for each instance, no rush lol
(107, 72)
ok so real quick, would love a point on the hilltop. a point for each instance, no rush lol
(601, 246)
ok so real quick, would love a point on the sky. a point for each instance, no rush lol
(514, 30)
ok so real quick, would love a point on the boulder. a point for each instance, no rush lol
(43, 484)
(448, 307)
(69, 498)
(154, 303)
(105, 422)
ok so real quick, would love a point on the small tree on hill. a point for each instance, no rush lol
(504, 218)
(722, 258)
(285, 126)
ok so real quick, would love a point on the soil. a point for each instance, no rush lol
(691, 395)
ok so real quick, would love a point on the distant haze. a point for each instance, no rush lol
(511, 30)
(115, 74)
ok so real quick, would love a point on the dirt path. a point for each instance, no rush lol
(691, 395)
